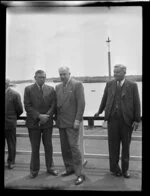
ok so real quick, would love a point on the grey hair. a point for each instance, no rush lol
(64, 68)
(121, 67)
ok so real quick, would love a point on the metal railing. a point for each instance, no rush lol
(82, 138)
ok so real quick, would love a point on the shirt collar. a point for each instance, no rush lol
(39, 86)
(67, 82)
(122, 82)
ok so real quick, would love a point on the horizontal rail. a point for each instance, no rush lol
(105, 137)
(90, 119)
(93, 137)
(86, 155)
(106, 156)
(84, 118)
(27, 135)
(90, 137)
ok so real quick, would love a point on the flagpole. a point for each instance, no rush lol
(109, 58)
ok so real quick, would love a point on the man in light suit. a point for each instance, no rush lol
(40, 105)
(13, 109)
(122, 111)
(70, 109)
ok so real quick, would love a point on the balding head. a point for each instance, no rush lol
(64, 73)
(119, 71)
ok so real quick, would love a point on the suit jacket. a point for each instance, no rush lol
(36, 104)
(13, 108)
(130, 102)
(70, 103)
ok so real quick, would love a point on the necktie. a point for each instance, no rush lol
(119, 83)
(41, 90)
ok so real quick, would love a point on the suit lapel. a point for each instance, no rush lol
(124, 88)
(64, 94)
(114, 87)
(44, 90)
(37, 92)
(61, 96)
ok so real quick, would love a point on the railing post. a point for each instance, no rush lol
(90, 123)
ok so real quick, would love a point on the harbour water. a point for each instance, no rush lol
(93, 95)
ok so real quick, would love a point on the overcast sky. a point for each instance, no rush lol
(75, 37)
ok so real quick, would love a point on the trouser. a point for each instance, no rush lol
(119, 132)
(70, 150)
(10, 136)
(80, 140)
(35, 140)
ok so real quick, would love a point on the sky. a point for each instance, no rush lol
(74, 37)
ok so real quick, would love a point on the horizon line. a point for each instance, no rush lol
(81, 77)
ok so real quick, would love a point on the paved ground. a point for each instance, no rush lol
(96, 179)
(97, 173)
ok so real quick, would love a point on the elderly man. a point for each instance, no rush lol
(70, 109)
(13, 109)
(122, 111)
(40, 103)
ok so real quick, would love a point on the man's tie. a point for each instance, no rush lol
(41, 90)
(119, 83)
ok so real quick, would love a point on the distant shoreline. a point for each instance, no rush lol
(84, 79)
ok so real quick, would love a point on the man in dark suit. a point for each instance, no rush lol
(40, 103)
(122, 111)
(13, 109)
(70, 109)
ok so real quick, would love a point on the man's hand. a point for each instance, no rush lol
(76, 124)
(43, 118)
(135, 125)
(96, 114)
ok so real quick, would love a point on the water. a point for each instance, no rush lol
(93, 95)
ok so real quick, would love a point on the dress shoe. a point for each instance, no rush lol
(126, 175)
(67, 173)
(52, 172)
(79, 180)
(11, 166)
(34, 175)
(118, 173)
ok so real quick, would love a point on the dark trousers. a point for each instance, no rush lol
(119, 133)
(70, 150)
(10, 136)
(35, 139)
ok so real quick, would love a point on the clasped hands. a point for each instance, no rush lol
(43, 118)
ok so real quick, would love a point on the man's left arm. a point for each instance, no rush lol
(18, 104)
(80, 97)
(52, 109)
(136, 107)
